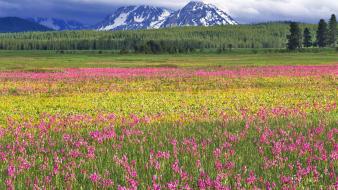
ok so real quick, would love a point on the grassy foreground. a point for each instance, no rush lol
(234, 121)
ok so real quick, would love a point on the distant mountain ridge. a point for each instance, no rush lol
(59, 24)
(15, 24)
(195, 13)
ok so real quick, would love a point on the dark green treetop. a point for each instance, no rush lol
(295, 37)
(307, 38)
(322, 33)
(332, 38)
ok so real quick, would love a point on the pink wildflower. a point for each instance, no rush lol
(94, 177)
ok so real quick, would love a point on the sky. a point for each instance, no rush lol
(244, 11)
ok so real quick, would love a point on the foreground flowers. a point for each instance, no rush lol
(110, 153)
(247, 128)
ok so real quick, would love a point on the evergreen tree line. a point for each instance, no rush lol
(170, 40)
(326, 35)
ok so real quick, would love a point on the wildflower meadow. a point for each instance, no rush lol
(236, 127)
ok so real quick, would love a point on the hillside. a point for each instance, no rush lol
(270, 35)
(14, 24)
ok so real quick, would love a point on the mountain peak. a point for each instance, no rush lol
(196, 3)
(195, 13)
(199, 5)
(135, 18)
(198, 13)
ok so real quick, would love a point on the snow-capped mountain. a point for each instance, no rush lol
(59, 24)
(135, 18)
(197, 13)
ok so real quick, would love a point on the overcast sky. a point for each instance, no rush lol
(244, 11)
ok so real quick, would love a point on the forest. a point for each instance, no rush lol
(172, 40)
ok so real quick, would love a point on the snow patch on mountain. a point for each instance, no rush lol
(50, 24)
(161, 19)
(120, 20)
(59, 24)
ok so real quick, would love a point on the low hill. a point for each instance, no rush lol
(15, 24)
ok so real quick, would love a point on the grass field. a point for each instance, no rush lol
(30, 60)
(198, 121)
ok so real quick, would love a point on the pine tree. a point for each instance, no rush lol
(295, 37)
(332, 38)
(307, 38)
(322, 33)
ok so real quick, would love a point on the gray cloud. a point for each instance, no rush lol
(245, 11)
